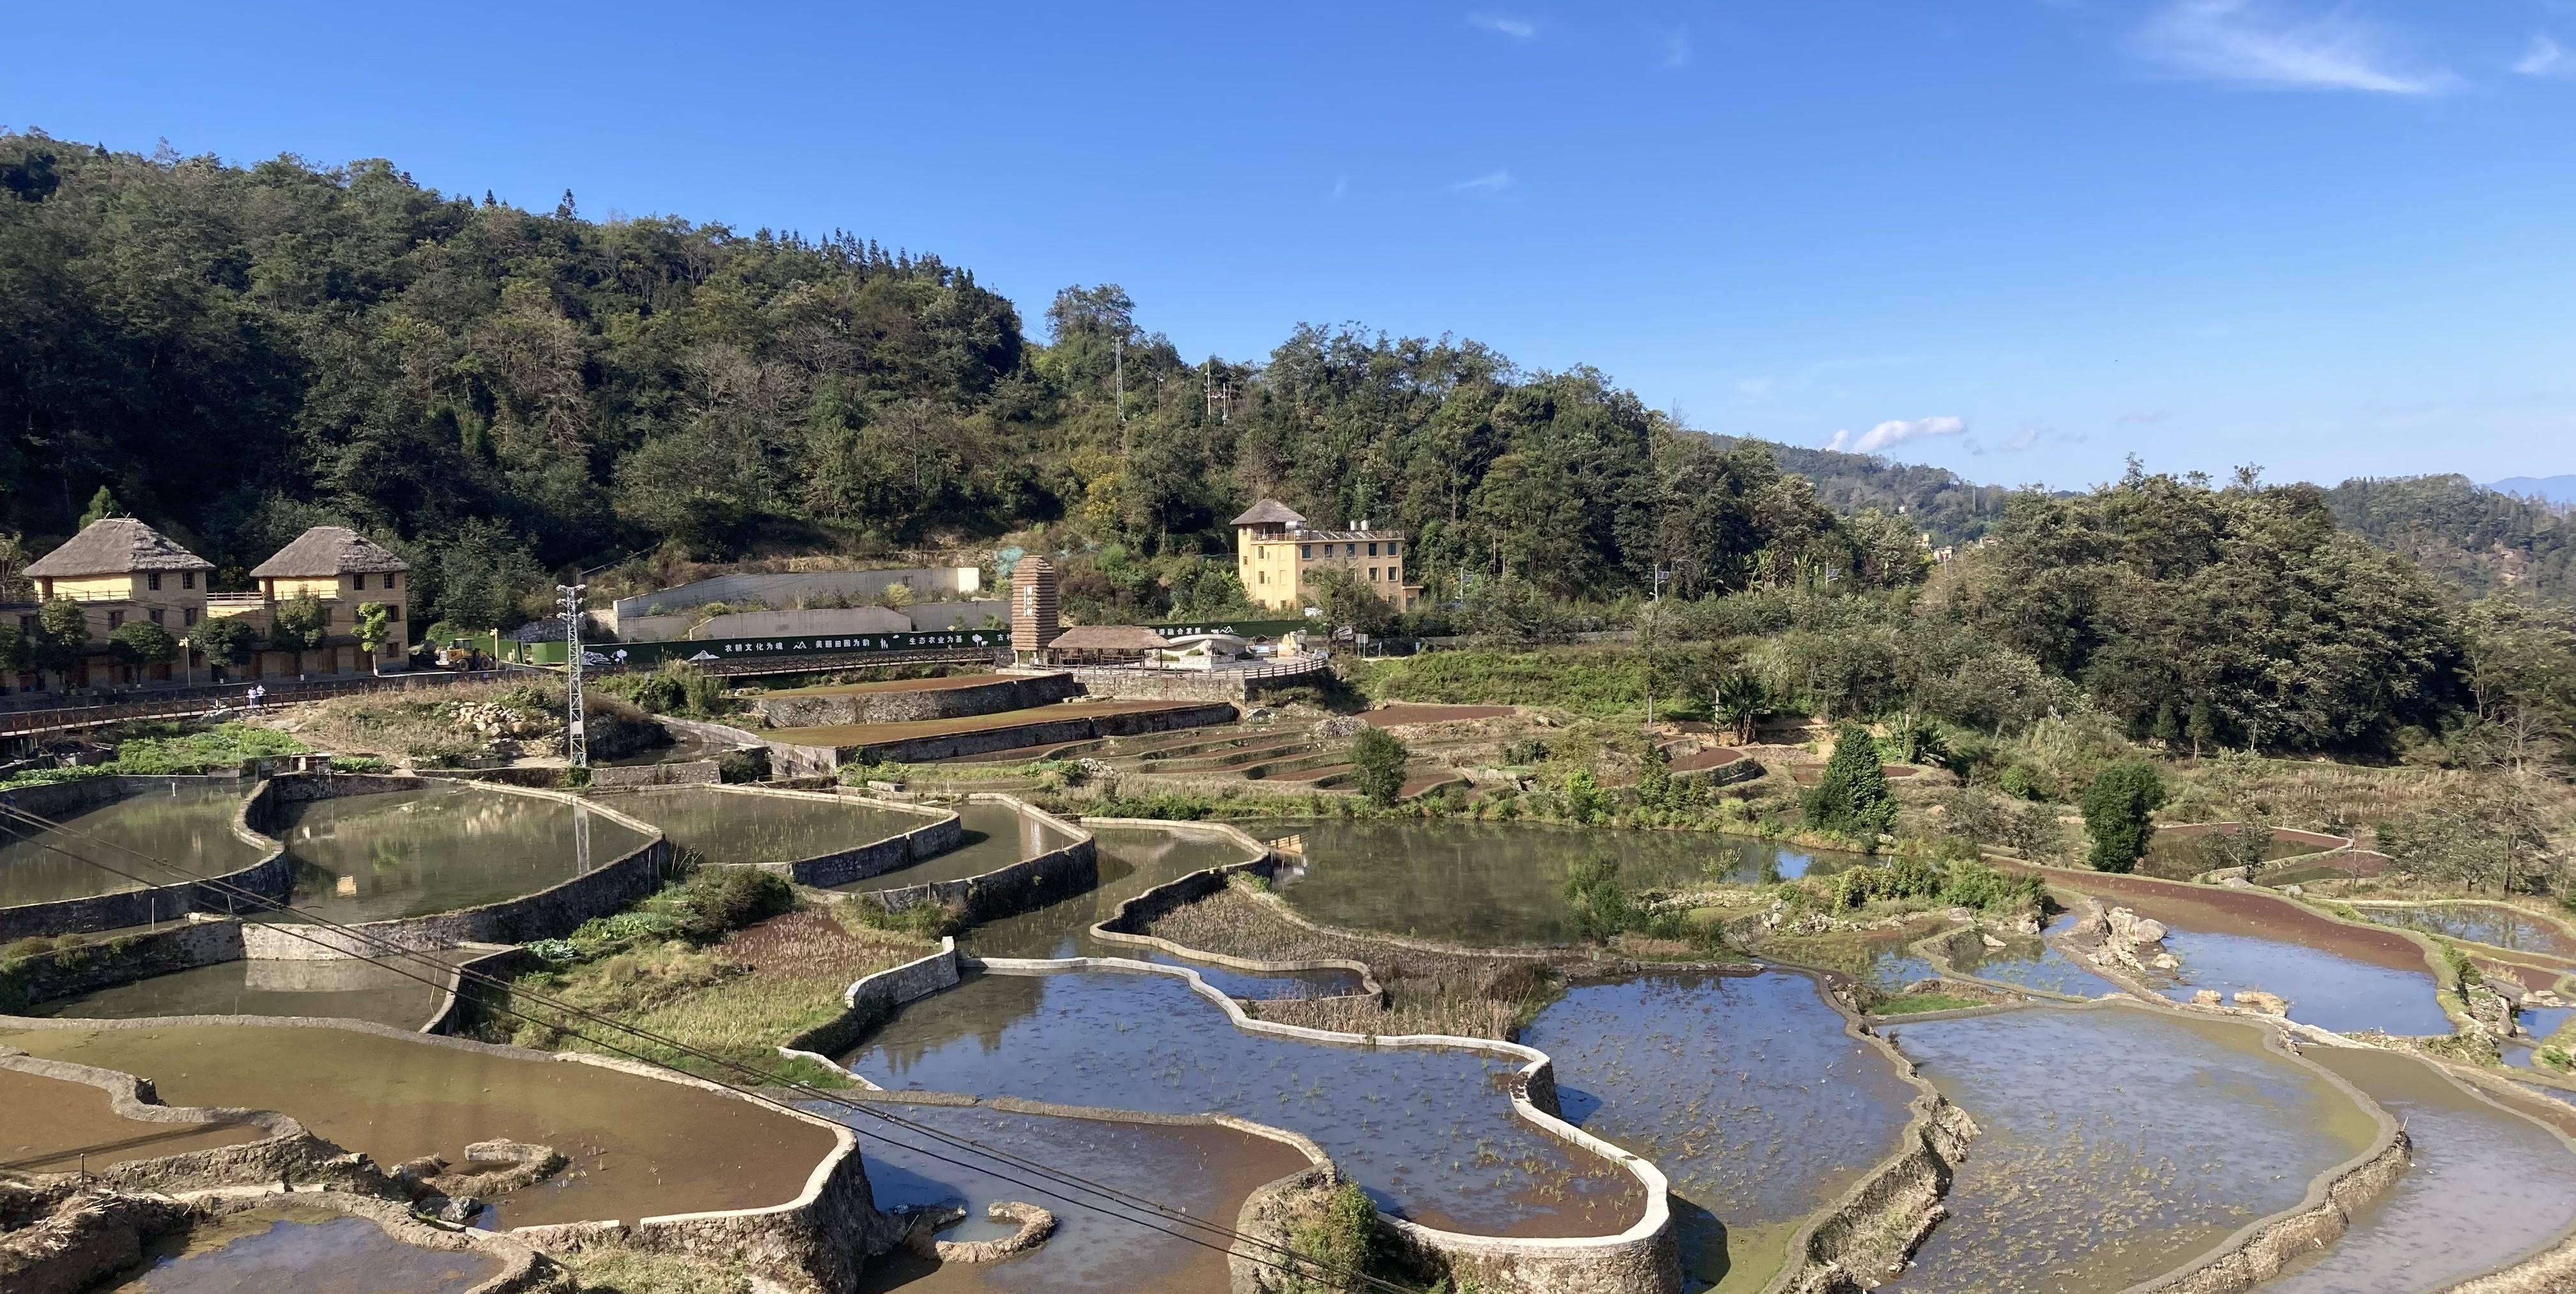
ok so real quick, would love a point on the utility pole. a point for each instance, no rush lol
(576, 741)
(1653, 604)
(1118, 349)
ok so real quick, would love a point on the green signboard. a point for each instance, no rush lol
(709, 651)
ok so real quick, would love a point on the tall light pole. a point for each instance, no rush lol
(576, 741)
(1653, 604)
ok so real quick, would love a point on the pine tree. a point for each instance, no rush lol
(1851, 798)
(102, 505)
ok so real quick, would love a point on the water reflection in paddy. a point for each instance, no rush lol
(1207, 1171)
(298, 1251)
(340, 989)
(1504, 883)
(1744, 1090)
(186, 823)
(2036, 964)
(1430, 1133)
(2117, 1143)
(995, 836)
(2484, 1187)
(2325, 989)
(750, 827)
(444, 847)
(1132, 861)
(2484, 923)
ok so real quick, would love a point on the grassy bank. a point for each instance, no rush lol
(726, 963)
(169, 749)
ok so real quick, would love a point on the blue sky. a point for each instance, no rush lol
(2019, 238)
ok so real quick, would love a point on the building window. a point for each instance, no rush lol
(115, 620)
(152, 581)
(1265, 577)
(1395, 550)
(360, 581)
(187, 579)
(27, 626)
(1372, 550)
(188, 615)
(393, 613)
(1372, 574)
(1350, 550)
(390, 577)
(156, 615)
(1305, 550)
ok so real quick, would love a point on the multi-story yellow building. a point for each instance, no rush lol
(344, 571)
(1277, 554)
(119, 570)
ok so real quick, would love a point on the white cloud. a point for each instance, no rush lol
(2267, 43)
(2023, 439)
(1516, 28)
(1896, 431)
(1484, 186)
(1677, 47)
(2546, 57)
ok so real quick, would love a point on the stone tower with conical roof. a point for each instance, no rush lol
(1033, 609)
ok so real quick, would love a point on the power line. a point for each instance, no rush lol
(1064, 1181)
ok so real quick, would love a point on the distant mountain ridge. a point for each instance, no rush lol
(2557, 489)
(2515, 534)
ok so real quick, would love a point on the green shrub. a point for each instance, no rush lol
(928, 920)
(1851, 798)
(1342, 1239)
(2117, 813)
(1379, 759)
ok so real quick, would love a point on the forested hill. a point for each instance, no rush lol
(2473, 537)
(236, 353)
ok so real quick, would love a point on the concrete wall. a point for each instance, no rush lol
(42, 978)
(268, 878)
(872, 1001)
(785, 590)
(1005, 692)
(933, 617)
(1192, 684)
(547, 914)
(693, 772)
(812, 623)
(791, 759)
(1024, 886)
(938, 832)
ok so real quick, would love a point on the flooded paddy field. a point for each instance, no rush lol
(749, 827)
(2497, 924)
(2037, 964)
(2118, 1143)
(1430, 1133)
(1132, 861)
(2335, 975)
(444, 847)
(994, 837)
(300, 1251)
(639, 1147)
(1208, 1171)
(2484, 1188)
(1504, 883)
(186, 823)
(337, 989)
(58, 1126)
(1744, 1090)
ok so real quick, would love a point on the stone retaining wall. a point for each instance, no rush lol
(896, 705)
(692, 772)
(547, 914)
(938, 833)
(1024, 886)
(499, 962)
(269, 877)
(203, 941)
(871, 1002)
(792, 759)
(1192, 684)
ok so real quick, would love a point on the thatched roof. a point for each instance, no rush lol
(1106, 638)
(329, 550)
(1270, 512)
(116, 546)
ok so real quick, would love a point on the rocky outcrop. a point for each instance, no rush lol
(83, 1240)
(1035, 1225)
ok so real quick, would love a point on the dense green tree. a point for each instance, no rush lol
(141, 642)
(1377, 760)
(62, 635)
(2118, 813)
(225, 640)
(299, 623)
(101, 506)
(1851, 795)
